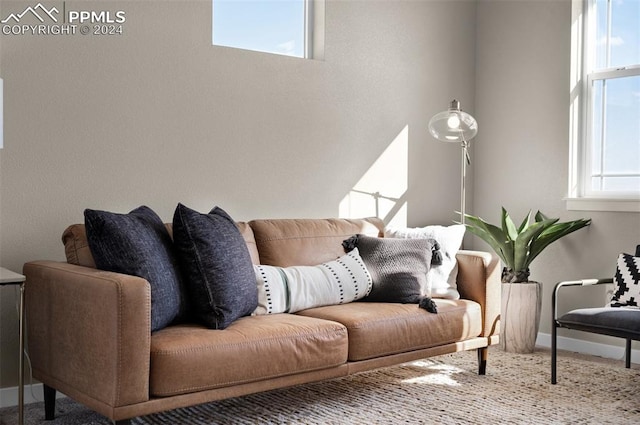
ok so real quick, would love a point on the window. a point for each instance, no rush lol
(606, 104)
(282, 27)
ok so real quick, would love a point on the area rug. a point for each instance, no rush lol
(441, 390)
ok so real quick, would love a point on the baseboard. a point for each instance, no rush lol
(586, 347)
(32, 394)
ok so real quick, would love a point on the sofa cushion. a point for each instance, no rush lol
(398, 267)
(216, 264)
(307, 242)
(291, 289)
(441, 279)
(76, 247)
(247, 235)
(138, 244)
(188, 358)
(380, 329)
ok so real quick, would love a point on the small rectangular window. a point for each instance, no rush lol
(272, 26)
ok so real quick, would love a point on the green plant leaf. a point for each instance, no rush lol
(518, 247)
(492, 235)
(508, 227)
(524, 242)
(553, 233)
(540, 216)
(525, 223)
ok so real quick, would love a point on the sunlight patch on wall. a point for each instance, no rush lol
(381, 191)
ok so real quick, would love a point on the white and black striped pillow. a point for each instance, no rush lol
(626, 282)
(291, 289)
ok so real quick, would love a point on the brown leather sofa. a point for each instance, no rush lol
(89, 330)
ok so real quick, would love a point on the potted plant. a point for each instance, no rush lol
(517, 247)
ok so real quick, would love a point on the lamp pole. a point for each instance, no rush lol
(463, 179)
(453, 125)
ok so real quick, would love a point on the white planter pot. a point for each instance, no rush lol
(520, 316)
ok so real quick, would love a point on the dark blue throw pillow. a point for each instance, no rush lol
(138, 244)
(216, 264)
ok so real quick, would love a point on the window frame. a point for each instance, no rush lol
(580, 196)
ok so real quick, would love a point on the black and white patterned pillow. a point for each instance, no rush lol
(291, 289)
(626, 282)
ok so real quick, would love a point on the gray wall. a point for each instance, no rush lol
(159, 116)
(522, 148)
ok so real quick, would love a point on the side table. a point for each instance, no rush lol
(7, 277)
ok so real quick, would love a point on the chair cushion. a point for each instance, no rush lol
(621, 322)
(188, 358)
(380, 329)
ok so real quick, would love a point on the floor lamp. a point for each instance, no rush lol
(455, 126)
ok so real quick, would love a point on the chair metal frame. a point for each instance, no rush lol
(557, 323)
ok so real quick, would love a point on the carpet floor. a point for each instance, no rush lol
(441, 390)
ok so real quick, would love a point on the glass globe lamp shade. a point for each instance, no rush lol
(453, 125)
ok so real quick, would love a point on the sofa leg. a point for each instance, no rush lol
(50, 406)
(482, 360)
(49, 402)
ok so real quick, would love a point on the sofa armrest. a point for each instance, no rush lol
(89, 332)
(479, 280)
